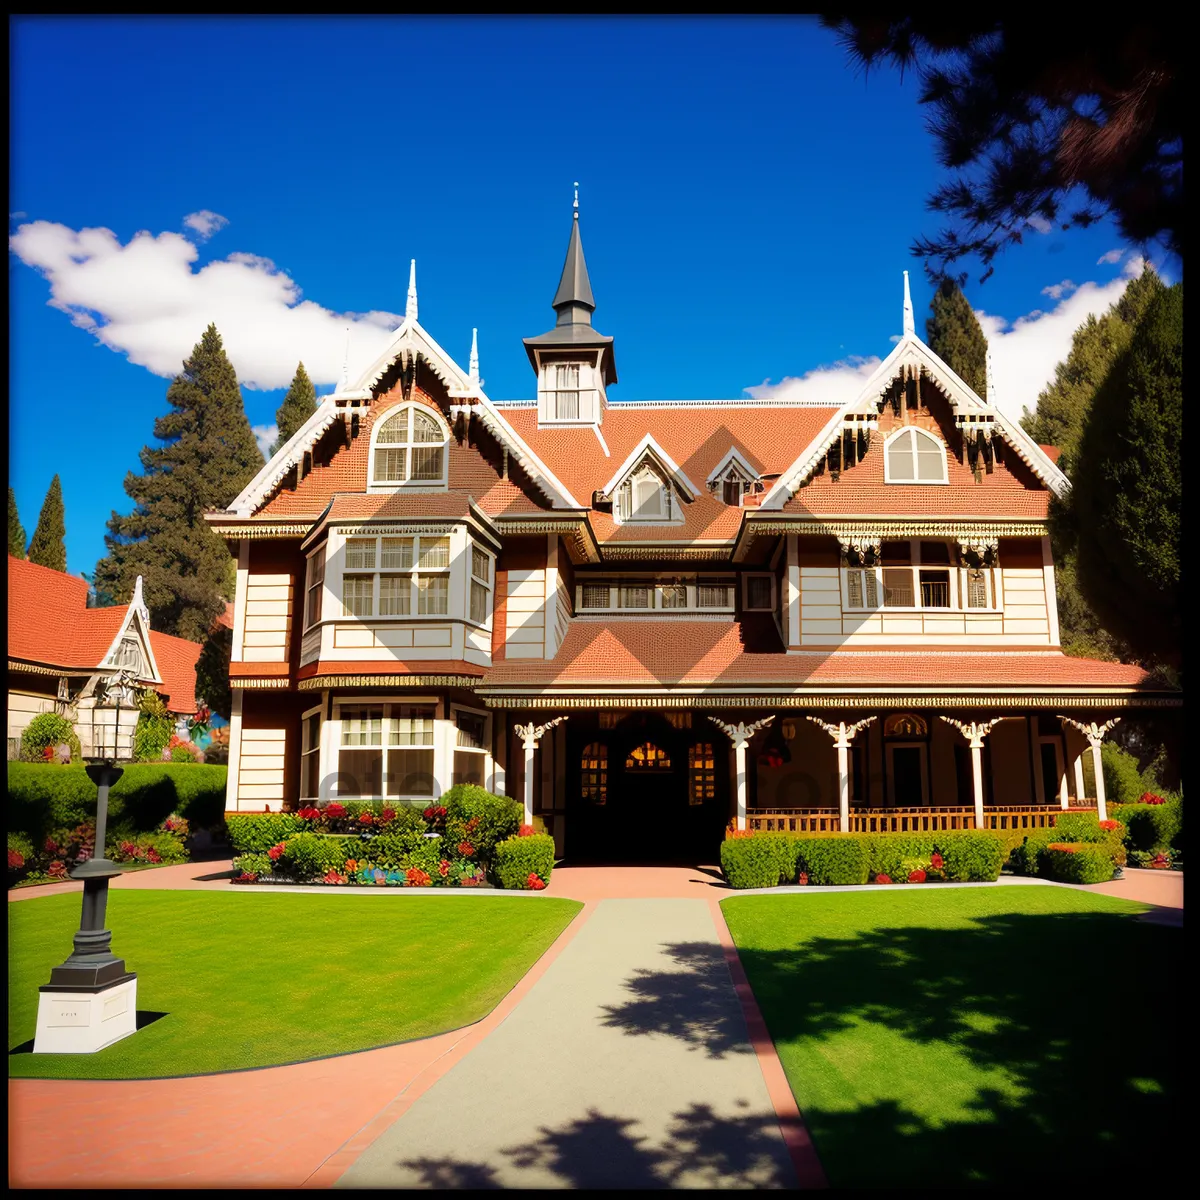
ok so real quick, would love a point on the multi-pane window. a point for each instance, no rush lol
(410, 447)
(481, 584)
(702, 773)
(470, 748)
(386, 750)
(594, 595)
(316, 588)
(566, 397)
(672, 595)
(310, 758)
(712, 594)
(634, 596)
(644, 497)
(918, 575)
(862, 589)
(915, 456)
(593, 773)
(676, 594)
(648, 757)
(399, 576)
(759, 593)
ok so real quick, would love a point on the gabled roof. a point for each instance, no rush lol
(910, 351)
(734, 458)
(649, 448)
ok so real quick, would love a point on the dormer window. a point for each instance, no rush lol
(565, 401)
(129, 656)
(644, 497)
(408, 449)
(732, 478)
(914, 456)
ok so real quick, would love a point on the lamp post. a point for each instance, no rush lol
(91, 999)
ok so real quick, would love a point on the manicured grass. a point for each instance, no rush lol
(1020, 1036)
(251, 980)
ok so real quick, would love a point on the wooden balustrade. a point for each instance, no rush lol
(905, 820)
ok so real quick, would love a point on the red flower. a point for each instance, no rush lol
(275, 852)
(57, 870)
(388, 814)
(733, 834)
(16, 860)
(415, 877)
(247, 877)
(535, 882)
(332, 876)
(51, 846)
(153, 855)
(334, 811)
(465, 849)
(802, 879)
(917, 876)
(443, 868)
(1150, 798)
(308, 813)
(48, 753)
(525, 831)
(937, 862)
(883, 879)
(471, 825)
(1110, 825)
(1065, 847)
(365, 818)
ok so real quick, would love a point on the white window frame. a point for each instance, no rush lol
(407, 484)
(956, 576)
(732, 468)
(485, 752)
(917, 433)
(640, 474)
(314, 586)
(474, 580)
(415, 572)
(746, 577)
(306, 751)
(655, 585)
(387, 702)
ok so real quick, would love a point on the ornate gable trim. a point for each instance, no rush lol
(649, 448)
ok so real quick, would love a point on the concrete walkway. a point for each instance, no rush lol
(628, 1065)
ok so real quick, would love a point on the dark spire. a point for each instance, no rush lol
(573, 301)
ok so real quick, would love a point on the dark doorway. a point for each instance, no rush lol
(1050, 775)
(906, 777)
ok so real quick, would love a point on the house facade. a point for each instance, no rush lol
(61, 654)
(660, 616)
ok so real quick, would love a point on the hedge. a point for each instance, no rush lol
(518, 861)
(44, 796)
(840, 859)
(475, 815)
(256, 833)
(1150, 826)
(1077, 862)
(1030, 858)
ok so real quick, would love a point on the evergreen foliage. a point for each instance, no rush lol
(16, 531)
(954, 334)
(212, 671)
(207, 456)
(1126, 497)
(298, 405)
(48, 546)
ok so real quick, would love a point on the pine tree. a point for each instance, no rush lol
(207, 457)
(953, 333)
(298, 405)
(16, 531)
(1126, 495)
(49, 547)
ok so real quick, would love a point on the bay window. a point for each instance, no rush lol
(315, 589)
(481, 585)
(397, 576)
(920, 575)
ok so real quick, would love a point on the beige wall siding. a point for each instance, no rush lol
(525, 614)
(260, 769)
(267, 624)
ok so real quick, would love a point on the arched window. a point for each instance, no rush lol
(702, 773)
(593, 773)
(905, 725)
(644, 497)
(914, 456)
(648, 757)
(409, 448)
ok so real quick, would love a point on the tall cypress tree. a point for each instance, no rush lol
(953, 333)
(298, 405)
(208, 455)
(48, 547)
(16, 531)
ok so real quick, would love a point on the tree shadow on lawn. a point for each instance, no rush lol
(700, 1149)
(1020, 1048)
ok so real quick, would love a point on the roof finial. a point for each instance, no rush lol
(576, 205)
(410, 311)
(910, 327)
(473, 369)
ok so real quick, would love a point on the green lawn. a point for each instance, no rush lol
(1022, 1036)
(251, 980)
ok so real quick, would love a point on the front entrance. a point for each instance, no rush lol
(645, 789)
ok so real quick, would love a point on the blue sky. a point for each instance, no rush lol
(747, 202)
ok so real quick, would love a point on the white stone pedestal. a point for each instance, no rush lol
(84, 1022)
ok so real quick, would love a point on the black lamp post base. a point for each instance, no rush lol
(71, 977)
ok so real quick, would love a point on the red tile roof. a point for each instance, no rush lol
(641, 653)
(50, 624)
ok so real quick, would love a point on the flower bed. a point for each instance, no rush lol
(840, 859)
(58, 852)
(466, 839)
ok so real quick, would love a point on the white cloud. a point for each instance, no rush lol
(1110, 256)
(144, 299)
(1056, 291)
(837, 383)
(205, 222)
(1040, 224)
(265, 436)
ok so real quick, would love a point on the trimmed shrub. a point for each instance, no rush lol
(835, 859)
(971, 855)
(253, 864)
(311, 855)
(393, 850)
(518, 861)
(888, 852)
(158, 847)
(1150, 826)
(762, 860)
(483, 820)
(256, 833)
(1076, 862)
(48, 729)
(1123, 782)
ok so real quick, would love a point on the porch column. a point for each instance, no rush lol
(843, 735)
(740, 734)
(530, 735)
(1094, 732)
(1080, 788)
(975, 732)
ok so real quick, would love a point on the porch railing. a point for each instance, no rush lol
(905, 820)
